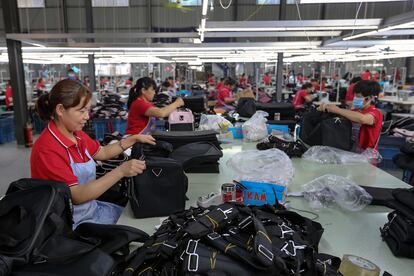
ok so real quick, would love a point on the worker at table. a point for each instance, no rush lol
(366, 118)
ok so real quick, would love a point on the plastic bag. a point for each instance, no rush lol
(328, 189)
(255, 128)
(270, 166)
(213, 122)
(330, 155)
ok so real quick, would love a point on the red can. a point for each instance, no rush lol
(228, 191)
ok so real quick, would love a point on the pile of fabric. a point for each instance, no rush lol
(110, 107)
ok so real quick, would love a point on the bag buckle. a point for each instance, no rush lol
(265, 252)
(173, 246)
(244, 223)
(193, 257)
(294, 248)
(233, 230)
(225, 212)
(284, 229)
(213, 236)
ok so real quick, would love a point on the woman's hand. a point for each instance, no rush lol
(179, 102)
(132, 167)
(145, 139)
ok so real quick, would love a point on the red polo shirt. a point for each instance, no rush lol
(50, 159)
(350, 93)
(369, 135)
(137, 120)
(223, 93)
(300, 100)
(266, 79)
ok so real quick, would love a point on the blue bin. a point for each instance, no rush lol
(282, 128)
(183, 93)
(102, 127)
(120, 125)
(387, 154)
(237, 132)
(7, 129)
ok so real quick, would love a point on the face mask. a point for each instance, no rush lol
(358, 103)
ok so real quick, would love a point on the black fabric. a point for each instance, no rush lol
(118, 193)
(246, 107)
(195, 103)
(286, 110)
(404, 161)
(326, 129)
(408, 148)
(405, 196)
(204, 168)
(36, 233)
(160, 189)
(393, 240)
(292, 149)
(232, 239)
(380, 196)
(180, 138)
(196, 154)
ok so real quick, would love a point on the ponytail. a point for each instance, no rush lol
(43, 107)
(68, 93)
(136, 91)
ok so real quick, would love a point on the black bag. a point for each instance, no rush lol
(246, 107)
(398, 233)
(36, 233)
(160, 189)
(325, 129)
(196, 155)
(285, 110)
(232, 239)
(195, 104)
(180, 138)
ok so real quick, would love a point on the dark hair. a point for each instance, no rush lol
(324, 79)
(166, 84)
(306, 85)
(40, 79)
(69, 93)
(131, 78)
(313, 80)
(229, 81)
(356, 79)
(136, 90)
(367, 88)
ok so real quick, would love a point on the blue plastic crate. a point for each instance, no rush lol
(282, 128)
(160, 125)
(102, 127)
(183, 93)
(120, 125)
(7, 129)
(237, 132)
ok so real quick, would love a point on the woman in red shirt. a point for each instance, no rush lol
(366, 119)
(63, 152)
(40, 84)
(243, 80)
(9, 96)
(142, 113)
(225, 97)
(303, 96)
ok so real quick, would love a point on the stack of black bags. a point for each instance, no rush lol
(398, 232)
(110, 107)
(405, 161)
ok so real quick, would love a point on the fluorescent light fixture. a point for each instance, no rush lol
(278, 29)
(203, 24)
(398, 26)
(197, 41)
(344, 1)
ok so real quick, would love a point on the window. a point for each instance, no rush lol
(31, 3)
(273, 2)
(187, 2)
(110, 3)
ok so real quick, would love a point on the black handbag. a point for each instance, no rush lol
(246, 107)
(160, 189)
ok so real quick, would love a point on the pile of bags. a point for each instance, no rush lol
(110, 107)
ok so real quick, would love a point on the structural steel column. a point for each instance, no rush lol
(89, 29)
(16, 69)
(279, 68)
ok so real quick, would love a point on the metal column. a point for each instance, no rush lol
(89, 29)
(279, 68)
(16, 69)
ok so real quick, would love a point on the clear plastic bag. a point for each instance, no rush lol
(214, 122)
(255, 128)
(330, 155)
(270, 166)
(328, 189)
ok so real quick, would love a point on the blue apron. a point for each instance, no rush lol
(94, 211)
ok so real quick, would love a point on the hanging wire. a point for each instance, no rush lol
(300, 19)
(356, 17)
(256, 11)
(228, 5)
